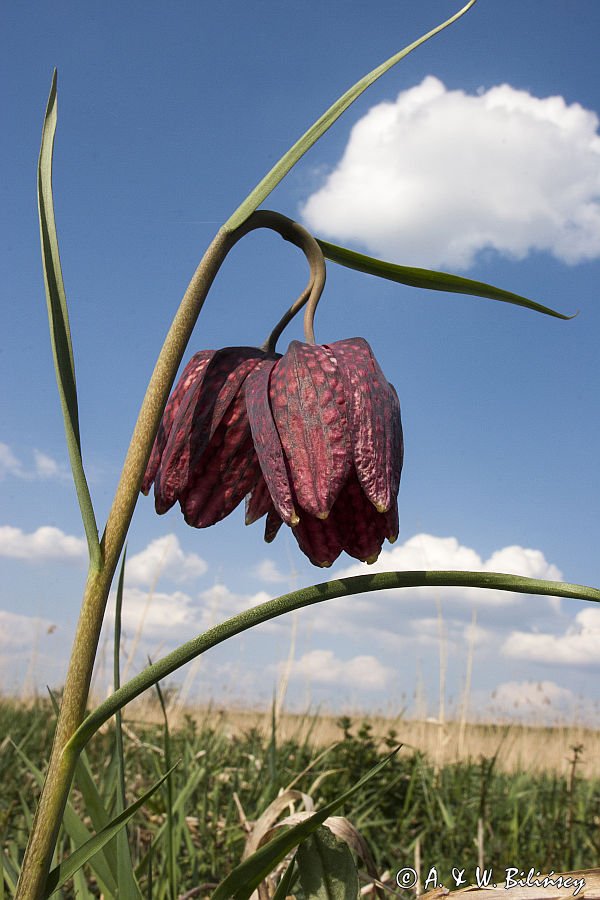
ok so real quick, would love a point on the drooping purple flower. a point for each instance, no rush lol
(312, 439)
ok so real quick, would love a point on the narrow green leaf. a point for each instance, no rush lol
(316, 593)
(310, 137)
(2, 881)
(428, 279)
(126, 880)
(326, 867)
(60, 333)
(170, 813)
(197, 774)
(243, 880)
(11, 872)
(76, 860)
(286, 880)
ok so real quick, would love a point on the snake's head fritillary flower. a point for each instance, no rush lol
(327, 432)
(312, 439)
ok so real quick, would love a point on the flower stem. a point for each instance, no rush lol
(42, 839)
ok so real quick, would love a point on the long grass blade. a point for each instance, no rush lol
(310, 137)
(190, 786)
(60, 333)
(428, 279)
(125, 875)
(285, 882)
(170, 815)
(61, 873)
(317, 593)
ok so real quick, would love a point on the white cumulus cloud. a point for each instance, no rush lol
(578, 646)
(427, 551)
(164, 558)
(44, 543)
(324, 667)
(438, 175)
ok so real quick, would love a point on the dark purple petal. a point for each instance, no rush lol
(267, 442)
(307, 399)
(198, 418)
(192, 373)
(319, 539)
(258, 502)
(272, 525)
(227, 472)
(361, 528)
(374, 421)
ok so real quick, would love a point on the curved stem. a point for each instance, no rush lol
(313, 290)
(271, 342)
(380, 581)
(315, 295)
(42, 839)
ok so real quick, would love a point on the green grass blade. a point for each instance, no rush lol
(11, 871)
(310, 137)
(60, 333)
(178, 806)
(2, 882)
(243, 880)
(285, 882)
(128, 886)
(428, 279)
(83, 854)
(170, 817)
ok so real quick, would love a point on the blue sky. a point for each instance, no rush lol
(456, 159)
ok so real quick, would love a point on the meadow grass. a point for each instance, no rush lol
(499, 805)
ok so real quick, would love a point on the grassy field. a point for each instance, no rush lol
(453, 796)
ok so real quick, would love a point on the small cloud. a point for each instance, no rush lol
(44, 543)
(44, 466)
(578, 646)
(22, 631)
(9, 464)
(439, 175)
(323, 667)
(523, 698)
(164, 558)
(268, 571)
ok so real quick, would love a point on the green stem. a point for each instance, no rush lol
(380, 581)
(44, 832)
